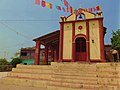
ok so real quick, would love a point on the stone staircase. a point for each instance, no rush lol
(67, 76)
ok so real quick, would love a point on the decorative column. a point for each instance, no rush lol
(102, 55)
(73, 43)
(61, 42)
(37, 53)
(46, 54)
(87, 42)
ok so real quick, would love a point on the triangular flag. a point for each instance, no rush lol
(67, 9)
(95, 9)
(50, 6)
(47, 5)
(90, 9)
(59, 8)
(80, 10)
(37, 2)
(63, 9)
(76, 12)
(43, 3)
(71, 9)
(98, 8)
(66, 3)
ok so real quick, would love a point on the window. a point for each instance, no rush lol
(23, 53)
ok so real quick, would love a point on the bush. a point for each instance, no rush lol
(4, 62)
(15, 61)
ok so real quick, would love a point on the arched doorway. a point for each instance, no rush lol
(80, 49)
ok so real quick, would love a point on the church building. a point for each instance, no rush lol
(80, 39)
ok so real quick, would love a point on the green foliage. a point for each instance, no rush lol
(115, 40)
(15, 61)
(4, 62)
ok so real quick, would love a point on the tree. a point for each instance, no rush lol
(15, 61)
(4, 62)
(115, 40)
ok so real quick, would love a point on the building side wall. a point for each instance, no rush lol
(83, 30)
(67, 41)
(94, 35)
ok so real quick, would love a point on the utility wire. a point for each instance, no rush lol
(18, 33)
(31, 20)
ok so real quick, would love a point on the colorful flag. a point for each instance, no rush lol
(80, 10)
(63, 9)
(66, 3)
(43, 3)
(71, 9)
(37, 2)
(58, 7)
(48, 5)
(76, 12)
(67, 9)
(90, 9)
(95, 9)
(98, 8)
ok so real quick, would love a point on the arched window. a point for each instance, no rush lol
(81, 17)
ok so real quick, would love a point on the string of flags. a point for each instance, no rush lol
(67, 7)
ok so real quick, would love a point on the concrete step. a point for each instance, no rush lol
(34, 66)
(30, 75)
(48, 84)
(108, 74)
(71, 86)
(109, 81)
(75, 71)
(75, 74)
(75, 79)
(112, 64)
(80, 80)
(72, 64)
(32, 70)
(23, 81)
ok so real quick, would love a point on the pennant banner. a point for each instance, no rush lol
(37, 2)
(67, 8)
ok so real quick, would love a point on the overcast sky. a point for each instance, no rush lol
(23, 20)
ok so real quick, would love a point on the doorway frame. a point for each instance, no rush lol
(87, 47)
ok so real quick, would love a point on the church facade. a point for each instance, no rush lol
(81, 39)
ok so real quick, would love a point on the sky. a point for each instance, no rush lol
(22, 20)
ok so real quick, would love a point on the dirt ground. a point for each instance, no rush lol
(14, 87)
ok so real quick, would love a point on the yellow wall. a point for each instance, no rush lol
(94, 35)
(67, 41)
(88, 15)
(83, 31)
(72, 17)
